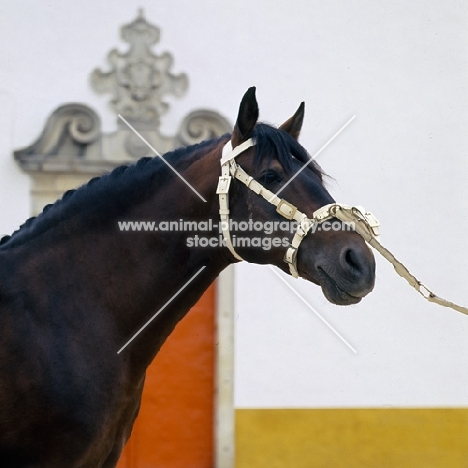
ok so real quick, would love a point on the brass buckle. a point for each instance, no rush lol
(223, 184)
(289, 213)
(291, 260)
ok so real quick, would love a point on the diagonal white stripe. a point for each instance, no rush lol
(158, 154)
(161, 309)
(313, 310)
(316, 154)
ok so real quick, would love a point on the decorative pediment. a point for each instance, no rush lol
(70, 141)
(138, 81)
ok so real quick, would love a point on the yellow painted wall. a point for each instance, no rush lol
(352, 438)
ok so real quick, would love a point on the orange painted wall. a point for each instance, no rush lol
(175, 426)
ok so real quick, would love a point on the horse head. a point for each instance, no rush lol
(269, 161)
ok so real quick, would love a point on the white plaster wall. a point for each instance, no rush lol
(400, 67)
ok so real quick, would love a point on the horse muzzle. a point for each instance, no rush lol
(347, 276)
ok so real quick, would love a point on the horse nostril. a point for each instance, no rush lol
(357, 269)
(350, 261)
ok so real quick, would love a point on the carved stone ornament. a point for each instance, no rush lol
(72, 142)
(139, 79)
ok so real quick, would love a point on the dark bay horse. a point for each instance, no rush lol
(74, 287)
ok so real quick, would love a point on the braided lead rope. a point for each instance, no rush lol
(367, 226)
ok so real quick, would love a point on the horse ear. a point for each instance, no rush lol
(294, 124)
(246, 119)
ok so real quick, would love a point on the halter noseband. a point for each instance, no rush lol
(230, 169)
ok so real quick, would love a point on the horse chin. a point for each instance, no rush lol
(330, 289)
(334, 294)
(339, 297)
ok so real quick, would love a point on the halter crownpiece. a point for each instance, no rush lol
(365, 223)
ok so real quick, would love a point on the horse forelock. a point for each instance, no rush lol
(274, 143)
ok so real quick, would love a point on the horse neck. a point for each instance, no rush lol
(161, 268)
(122, 279)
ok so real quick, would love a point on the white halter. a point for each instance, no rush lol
(365, 222)
(230, 169)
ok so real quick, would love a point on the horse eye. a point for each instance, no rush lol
(270, 177)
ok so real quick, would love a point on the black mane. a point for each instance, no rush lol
(124, 185)
(129, 183)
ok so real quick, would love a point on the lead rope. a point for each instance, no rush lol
(367, 225)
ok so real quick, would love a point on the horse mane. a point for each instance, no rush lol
(135, 181)
(131, 182)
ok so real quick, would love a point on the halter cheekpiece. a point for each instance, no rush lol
(230, 169)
